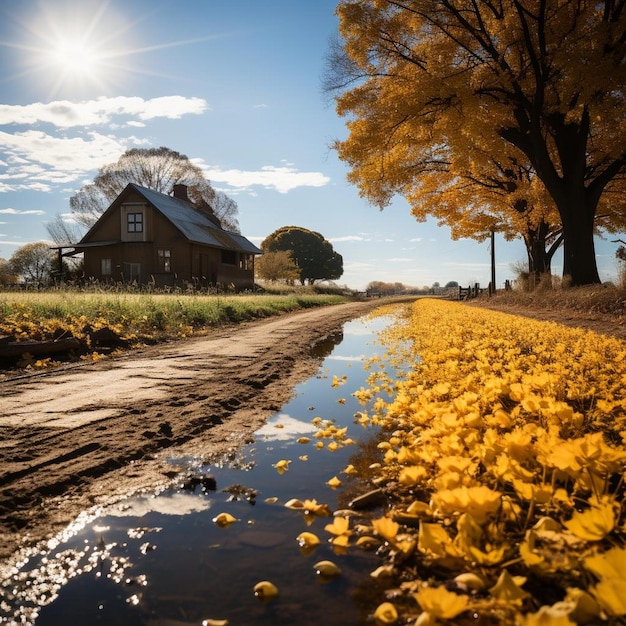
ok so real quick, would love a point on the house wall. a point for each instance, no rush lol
(200, 265)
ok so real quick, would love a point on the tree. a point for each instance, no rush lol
(7, 275)
(537, 80)
(315, 257)
(33, 262)
(155, 168)
(277, 265)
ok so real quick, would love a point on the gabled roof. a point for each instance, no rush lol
(193, 224)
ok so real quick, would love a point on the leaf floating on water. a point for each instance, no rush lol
(326, 569)
(265, 591)
(304, 440)
(307, 542)
(334, 483)
(281, 466)
(271, 500)
(294, 503)
(386, 613)
(215, 622)
(224, 519)
(350, 470)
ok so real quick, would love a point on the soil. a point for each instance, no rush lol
(89, 434)
(84, 435)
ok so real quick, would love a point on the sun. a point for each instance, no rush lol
(76, 59)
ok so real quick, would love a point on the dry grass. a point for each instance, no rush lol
(590, 300)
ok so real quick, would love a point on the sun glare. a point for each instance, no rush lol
(75, 58)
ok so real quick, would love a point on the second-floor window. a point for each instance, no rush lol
(134, 222)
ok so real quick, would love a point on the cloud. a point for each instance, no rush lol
(17, 212)
(281, 179)
(348, 238)
(415, 240)
(400, 259)
(36, 160)
(66, 114)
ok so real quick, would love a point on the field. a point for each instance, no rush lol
(136, 319)
(503, 439)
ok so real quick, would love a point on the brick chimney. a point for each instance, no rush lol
(180, 192)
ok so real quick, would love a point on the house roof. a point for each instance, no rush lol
(193, 224)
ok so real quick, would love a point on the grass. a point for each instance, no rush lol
(589, 300)
(140, 318)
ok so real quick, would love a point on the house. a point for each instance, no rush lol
(150, 237)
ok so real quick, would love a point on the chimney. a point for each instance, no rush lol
(180, 192)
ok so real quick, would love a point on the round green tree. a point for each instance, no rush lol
(314, 255)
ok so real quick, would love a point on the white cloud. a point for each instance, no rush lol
(348, 238)
(39, 160)
(400, 259)
(67, 114)
(415, 240)
(17, 212)
(281, 179)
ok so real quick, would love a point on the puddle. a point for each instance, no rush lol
(162, 560)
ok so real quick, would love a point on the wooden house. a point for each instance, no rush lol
(150, 237)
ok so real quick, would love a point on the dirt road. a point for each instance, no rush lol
(92, 433)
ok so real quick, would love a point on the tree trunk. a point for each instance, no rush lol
(579, 254)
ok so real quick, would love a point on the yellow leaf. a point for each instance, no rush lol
(265, 590)
(610, 595)
(594, 524)
(440, 602)
(224, 519)
(386, 528)
(340, 526)
(281, 466)
(350, 469)
(547, 616)
(433, 539)
(609, 564)
(386, 613)
(326, 569)
(303, 440)
(307, 540)
(508, 588)
(334, 483)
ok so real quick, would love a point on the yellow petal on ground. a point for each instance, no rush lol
(508, 588)
(594, 524)
(546, 616)
(386, 528)
(279, 426)
(386, 613)
(224, 519)
(609, 564)
(265, 590)
(433, 539)
(610, 595)
(440, 602)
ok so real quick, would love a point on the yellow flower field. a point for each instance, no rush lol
(503, 438)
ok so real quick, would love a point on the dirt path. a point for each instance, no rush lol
(89, 434)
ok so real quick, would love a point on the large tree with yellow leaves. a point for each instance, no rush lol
(437, 90)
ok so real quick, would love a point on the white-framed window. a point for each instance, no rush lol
(165, 260)
(134, 222)
(106, 267)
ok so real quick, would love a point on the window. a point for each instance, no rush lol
(165, 260)
(246, 262)
(134, 222)
(229, 257)
(132, 271)
(105, 267)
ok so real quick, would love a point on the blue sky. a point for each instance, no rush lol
(236, 86)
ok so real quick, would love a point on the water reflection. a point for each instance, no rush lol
(162, 560)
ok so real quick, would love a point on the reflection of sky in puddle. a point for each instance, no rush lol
(161, 560)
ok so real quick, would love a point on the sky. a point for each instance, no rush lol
(237, 87)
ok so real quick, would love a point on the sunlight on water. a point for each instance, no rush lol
(164, 560)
